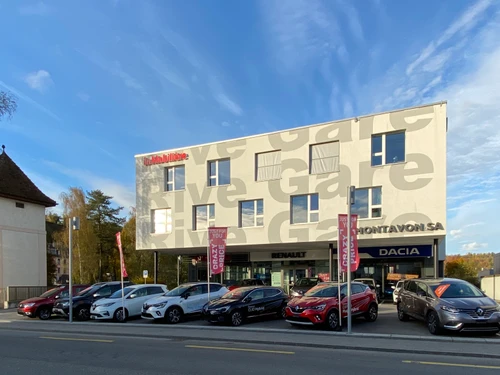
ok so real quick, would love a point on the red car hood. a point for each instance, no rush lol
(34, 299)
(307, 301)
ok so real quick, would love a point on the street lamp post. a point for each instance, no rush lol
(73, 224)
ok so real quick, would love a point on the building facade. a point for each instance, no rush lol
(23, 254)
(280, 195)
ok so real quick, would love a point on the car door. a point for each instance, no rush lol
(359, 299)
(134, 305)
(257, 303)
(411, 293)
(197, 296)
(273, 300)
(421, 299)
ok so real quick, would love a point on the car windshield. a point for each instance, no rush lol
(176, 292)
(118, 293)
(50, 293)
(310, 281)
(456, 290)
(236, 294)
(90, 290)
(323, 291)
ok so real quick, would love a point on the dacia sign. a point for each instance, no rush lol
(402, 251)
(398, 251)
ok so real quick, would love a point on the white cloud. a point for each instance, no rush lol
(352, 18)
(83, 96)
(468, 20)
(27, 99)
(122, 195)
(473, 246)
(39, 80)
(221, 97)
(38, 9)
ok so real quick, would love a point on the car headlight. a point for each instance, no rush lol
(107, 304)
(29, 305)
(450, 309)
(160, 305)
(318, 308)
(222, 309)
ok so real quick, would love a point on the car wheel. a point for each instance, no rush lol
(119, 317)
(372, 313)
(433, 323)
(173, 315)
(44, 313)
(282, 312)
(83, 313)
(236, 318)
(401, 314)
(332, 320)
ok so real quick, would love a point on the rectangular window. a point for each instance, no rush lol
(388, 148)
(305, 208)
(19, 205)
(161, 220)
(175, 178)
(219, 172)
(204, 216)
(368, 203)
(324, 158)
(268, 166)
(252, 213)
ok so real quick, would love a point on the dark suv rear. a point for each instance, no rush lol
(85, 299)
(448, 304)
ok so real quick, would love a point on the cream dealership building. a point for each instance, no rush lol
(280, 193)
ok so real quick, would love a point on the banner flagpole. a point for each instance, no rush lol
(122, 270)
(209, 264)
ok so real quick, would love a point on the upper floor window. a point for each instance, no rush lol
(268, 166)
(324, 157)
(219, 172)
(388, 148)
(252, 213)
(175, 178)
(368, 203)
(162, 220)
(305, 208)
(204, 216)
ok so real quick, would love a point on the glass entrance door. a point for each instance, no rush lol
(291, 275)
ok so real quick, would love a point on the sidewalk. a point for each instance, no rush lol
(443, 345)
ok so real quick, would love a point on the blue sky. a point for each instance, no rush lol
(101, 81)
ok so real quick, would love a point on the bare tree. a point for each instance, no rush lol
(8, 104)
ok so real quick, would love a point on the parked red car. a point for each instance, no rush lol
(41, 307)
(319, 305)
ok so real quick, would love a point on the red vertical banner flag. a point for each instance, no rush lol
(217, 237)
(122, 261)
(342, 242)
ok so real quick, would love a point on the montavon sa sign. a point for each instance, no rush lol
(401, 228)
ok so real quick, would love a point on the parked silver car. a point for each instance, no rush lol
(448, 304)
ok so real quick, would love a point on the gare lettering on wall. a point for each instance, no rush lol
(297, 254)
(399, 228)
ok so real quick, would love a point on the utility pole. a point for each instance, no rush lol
(73, 224)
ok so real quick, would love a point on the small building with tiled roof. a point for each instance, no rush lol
(23, 249)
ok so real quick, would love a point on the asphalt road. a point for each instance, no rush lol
(42, 353)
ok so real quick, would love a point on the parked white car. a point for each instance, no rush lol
(135, 296)
(395, 294)
(186, 299)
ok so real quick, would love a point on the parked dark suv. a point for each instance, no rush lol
(448, 304)
(85, 299)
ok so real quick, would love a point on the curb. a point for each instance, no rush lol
(385, 336)
(270, 342)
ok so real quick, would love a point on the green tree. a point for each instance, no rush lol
(8, 104)
(459, 268)
(106, 224)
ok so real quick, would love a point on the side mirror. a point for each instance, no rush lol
(186, 295)
(132, 296)
(378, 285)
(421, 294)
(57, 297)
(393, 287)
(248, 299)
(342, 296)
(97, 295)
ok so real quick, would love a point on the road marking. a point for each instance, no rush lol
(239, 349)
(452, 364)
(73, 339)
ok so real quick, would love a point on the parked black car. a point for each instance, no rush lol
(303, 285)
(236, 306)
(448, 304)
(84, 299)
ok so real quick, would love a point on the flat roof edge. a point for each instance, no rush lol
(289, 129)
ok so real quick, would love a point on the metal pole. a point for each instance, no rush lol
(155, 258)
(349, 249)
(436, 258)
(330, 261)
(339, 274)
(208, 269)
(70, 265)
(178, 269)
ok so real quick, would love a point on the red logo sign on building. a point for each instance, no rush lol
(166, 158)
(217, 237)
(342, 242)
